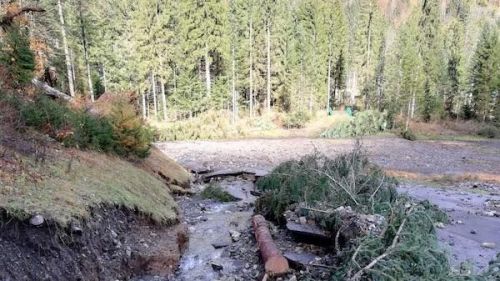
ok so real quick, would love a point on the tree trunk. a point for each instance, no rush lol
(207, 71)
(66, 50)
(233, 88)
(251, 67)
(268, 67)
(329, 84)
(144, 113)
(155, 105)
(104, 80)
(86, 54)
(51, 91)
(164, 101)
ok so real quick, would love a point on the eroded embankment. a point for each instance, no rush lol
(111, 244)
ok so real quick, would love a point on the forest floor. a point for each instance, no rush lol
(461, 177)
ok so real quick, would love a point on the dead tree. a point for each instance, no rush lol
(10, 16)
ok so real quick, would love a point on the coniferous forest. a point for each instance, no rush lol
(423, 59)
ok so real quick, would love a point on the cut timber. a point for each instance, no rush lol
(274, 262)
(309, 233)
(51, 91)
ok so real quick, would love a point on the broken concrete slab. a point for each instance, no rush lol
(299, 260)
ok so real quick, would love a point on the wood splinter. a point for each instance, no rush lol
(275, 263)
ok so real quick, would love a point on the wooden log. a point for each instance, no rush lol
(51, 91)
(274, 262)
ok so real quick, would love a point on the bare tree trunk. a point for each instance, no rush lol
(144, 113)
(66, 50)
(329, 84)
(413, 105)
(164, 101)
(104, 80)
(268, 66)
(207, 71)
(251, 68)
(86, 54)
(233, 88)
(155, 105)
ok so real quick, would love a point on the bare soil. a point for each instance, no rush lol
(114, 244)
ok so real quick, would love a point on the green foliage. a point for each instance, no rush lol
(489, 131)
(348, 180)
(16, 55)
(215, 192)
(408, 135)
(364, 123)
(296, 120)
(121, 132)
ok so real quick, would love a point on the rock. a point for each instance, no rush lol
(303, 220)
(439, 225)
(473, 231)
(293, 278)
(308, 232)
(221, 244)
(114, 234)
(488, 245)
(128, 251)
(76, 228)
(299, 260)
(489, 213)
(460, 222)
(255, 193)
(37, 220)
(235, 235)
(216, 266)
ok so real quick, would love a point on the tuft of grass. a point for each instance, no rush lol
(69, 183)
(215, 192)
(408, 135)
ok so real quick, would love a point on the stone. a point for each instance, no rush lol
(114, 234)
(221, 244)
(488, 245)
(216, 266)
(76, 229)
(439, 225)
(309, 233)
(37, 220)
(303, 220)
(299, 260)
(473, 231)
(293, 278)
(128, 251)
(235, 235)
(489, 213)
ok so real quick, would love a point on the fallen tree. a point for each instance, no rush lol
(49, 91)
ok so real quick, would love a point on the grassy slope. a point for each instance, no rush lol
(61, 193)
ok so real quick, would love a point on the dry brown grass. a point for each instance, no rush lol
(167, 170)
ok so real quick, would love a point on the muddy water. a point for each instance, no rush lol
(211, 223)
(470, 225)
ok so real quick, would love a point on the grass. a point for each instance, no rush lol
(70, 182)
(215, 192)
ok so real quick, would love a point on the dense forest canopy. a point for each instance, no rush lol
(421, 58)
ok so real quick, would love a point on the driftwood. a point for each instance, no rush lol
(51, 91)
(8, 19)
(274, 262)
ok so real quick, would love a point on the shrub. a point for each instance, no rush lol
(215, 192)
(296, 120)
(489, 131)
(346, 180)
(364, 123)
(120, 132)
(206, 126)
(16, 55)
(408, 135)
